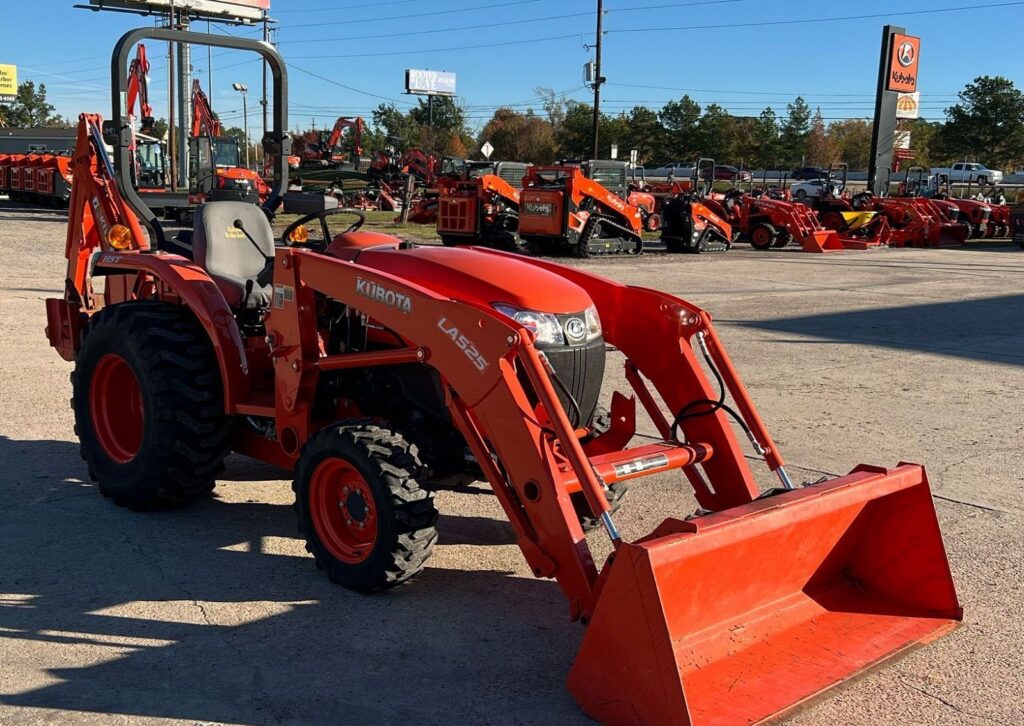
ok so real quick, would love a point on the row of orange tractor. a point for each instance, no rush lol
(601, 207)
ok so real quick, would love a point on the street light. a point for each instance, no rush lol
(243, 89)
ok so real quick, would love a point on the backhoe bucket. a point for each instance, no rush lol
(738, 616)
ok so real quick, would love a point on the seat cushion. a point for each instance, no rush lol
(227, 253)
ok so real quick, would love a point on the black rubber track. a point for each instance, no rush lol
(186, 434)
(406, 513)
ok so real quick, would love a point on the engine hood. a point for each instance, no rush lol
(463, 274)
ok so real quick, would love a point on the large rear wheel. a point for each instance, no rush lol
(148, 405)
(367, 518)
(762, 236)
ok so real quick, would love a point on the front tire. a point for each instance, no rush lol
(362, 506)
(148, 405)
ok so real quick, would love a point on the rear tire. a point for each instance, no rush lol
(148, 405)
(362, 505)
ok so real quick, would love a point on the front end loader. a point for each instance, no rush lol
(690, 221)
(370, 367)
(564, 212)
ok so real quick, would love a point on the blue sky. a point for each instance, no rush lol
(720, 51)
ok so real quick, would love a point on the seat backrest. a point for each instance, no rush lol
(222, 249)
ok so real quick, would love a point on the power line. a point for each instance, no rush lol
(763, 23)
(305, 41)
(417, 15)
(442, 50)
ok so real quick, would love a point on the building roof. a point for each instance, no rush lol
(38, 132)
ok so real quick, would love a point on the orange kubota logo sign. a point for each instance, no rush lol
(906, 51)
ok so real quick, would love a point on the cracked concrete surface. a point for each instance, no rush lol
(216, 614)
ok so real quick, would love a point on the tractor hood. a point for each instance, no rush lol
(465, 274)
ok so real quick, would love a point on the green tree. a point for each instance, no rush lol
(716, 134)
(519, 137)
(988, 123)
(757, 141)
(644, 133)
(159, 128)
(820, 148)
(922, 140)
(794, 132)
(553, 104)
(851, 141)
(679, 118)
(575, 138)
(31, 108)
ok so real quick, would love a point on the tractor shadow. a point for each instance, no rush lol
(988, 329)
(212, 613)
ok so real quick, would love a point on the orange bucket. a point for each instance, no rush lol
(738, 616)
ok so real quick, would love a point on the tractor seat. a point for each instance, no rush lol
(223, 250)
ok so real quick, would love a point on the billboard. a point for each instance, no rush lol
(906, 54)
(429, 83)
(213, 9)
(908, 105)
(8, 83)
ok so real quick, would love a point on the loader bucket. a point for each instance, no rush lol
(823, 240)
(738, 616)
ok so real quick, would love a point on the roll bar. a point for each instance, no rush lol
(276, 141)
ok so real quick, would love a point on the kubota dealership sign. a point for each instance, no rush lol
(906, 53)
(8, 83)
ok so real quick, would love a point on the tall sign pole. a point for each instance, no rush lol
(897, 73)
(597, 81)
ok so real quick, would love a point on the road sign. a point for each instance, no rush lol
(908, 105)
(615, 151)
(633, 154)
(8, 83)
(487, 149)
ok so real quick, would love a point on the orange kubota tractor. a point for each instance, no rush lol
(480, 205)
(564, 212)
(217, 173)
(368, 366)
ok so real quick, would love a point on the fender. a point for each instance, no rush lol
(201, 295)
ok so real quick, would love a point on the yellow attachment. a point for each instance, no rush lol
(857, 220)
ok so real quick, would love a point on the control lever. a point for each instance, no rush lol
(266, 275)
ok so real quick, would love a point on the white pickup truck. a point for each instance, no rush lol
(964, 172)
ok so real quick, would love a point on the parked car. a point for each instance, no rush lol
(678, 169)
(963, 172)
(810, 172)
(729, 173)
(813, 189)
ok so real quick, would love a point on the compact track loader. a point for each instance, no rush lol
(564, 212)
(369, 366)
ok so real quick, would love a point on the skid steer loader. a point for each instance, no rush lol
(480, 206)
(689, 222)
(564, 212)
(368, 365)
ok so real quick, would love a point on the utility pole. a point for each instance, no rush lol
(598, 80)
(244, 89)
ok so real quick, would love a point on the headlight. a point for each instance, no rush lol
(593, 323)
(544, 326)
(552, 329)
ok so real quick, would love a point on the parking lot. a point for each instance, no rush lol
(217, 614)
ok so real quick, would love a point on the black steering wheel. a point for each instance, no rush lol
(321, 217)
